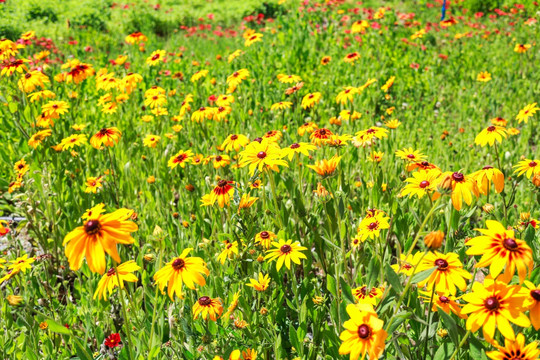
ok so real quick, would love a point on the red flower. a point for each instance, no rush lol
(113, 340)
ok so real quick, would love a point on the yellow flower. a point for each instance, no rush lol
(422, 183)
(483, 76)
(528, 167)
(180, 158)
(261, 284)
(363, 333)
(151, 141)
(207, 308)
(156, 57)
(284, 252)
(326, 168)
(180, 270)
(448, 275)
(109, 281)
(490, 134)
(93, 184)
(14, 300)
(486, 176)
(522, 48)
(493, 305)
(288, 79)
(311, 99)
(231, 249)
(107, 137)
(261, 156)
(527, 112)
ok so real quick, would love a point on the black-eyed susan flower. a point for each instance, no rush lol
(494, 305)
(21, 167)
(449, 274)
(486, 176)
(151, 141)
(288, 79)
(224, 100)
(443, 301)
(326, 168)
(372, 224)
(489, 135)
(363, 333)
(181, 158)
(109, 281)
(320, 136)
(463, 188)
(522, 48)
(262, 156)
(234, 141)
(411, 155)
(252, 39)
(515, 350)
(434, 239)
(106, 136)
(422, 183)
(527, 112)
(388, 84)
(31, 80)
(297, 148)
(246, 201)
(220, 161)
(14, 66)
(483, 76)
(73, 140)
(325, 60)
(365, 295)
(237, 77)
(93, 184)
(156, 57)
(208, 308)
(222, 193)
(99, 235)
(260, 284)
(500, 249)
(285, 251)
(351, 57)
(265, 239)
(136, 38)
(534, 307)
(367, 136)
(282, 105)
(392, 124)
(202, 113)
(307, 128)
(311, 99)
(528, 167)
(229, 251)
(182, 270)
(346, 95)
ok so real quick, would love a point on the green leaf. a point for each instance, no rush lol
(82, 351)
(57, 328)
(331, 285)
(445, 351)
(346, 291)
(451, 326)
(393, 278)
(422, 275)
(293, 338)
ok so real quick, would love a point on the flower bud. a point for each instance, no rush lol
(434, 239)
(488, 208)
(442, 333)
(536, 180)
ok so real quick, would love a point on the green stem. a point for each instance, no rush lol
(124, 312)
(460, 345)
(274, 196)
(429, 321)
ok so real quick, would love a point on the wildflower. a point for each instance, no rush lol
(246, 201)
(72, 140)
(231, 249)
(528, 167)
(499, 248)
(483, 76)
(282, 105)
(489, 135)
(203, 113)
(106, 136)
(534, 309)
(237, 77)
(351, 57)
(410, 155)
(180, 270)
(207, 308)
(265, 239)
(284, 252)
(156, 57)
(371, 226)
(31, 80)
(522, 48)
(93, 184)
(311, 99)
(527, 112)
(463, 188)
(180, 158)
(14, 300)
(346, 95)
(151, 141)
(99, 234)
(515, 350)
(389, 83)
(422, 183)
(363, 333)
(297, 148)
(288, 79)
(21, 167)
(326, 60)
(233, 305)
(326, 168)
(486, 176)
(113, 340)
(363, 296)
(136, 38)
(261, 156)
(109, 281)
(493, 305)
(392, 124)
(261, 284)
(222, 193)
(320, 136)
(448, 275)
(444, 301)
(434, 239)
(36, 139)
(256, 37)
(308, 127)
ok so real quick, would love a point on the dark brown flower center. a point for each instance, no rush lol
(178, 264)
(487, 167)
(265, 235)
(441, 264)
(285, 249)
(155, 57)
(205, 301)
(459, 177)
(92, 227)
(295, 146)
(533, 164)
(510, 244)
(411, 156)
(219, 158)
(364, 331)
(259, 140)
(222, 183)
(424, 184)
(492, 303)
(322, 132)
(373, 226)
(425, 163)
(444, 299)
(234, 137)
(261, 155)
(535, 295)
(111, 272)
(491, 128)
